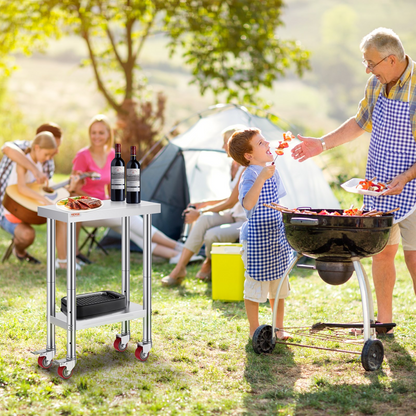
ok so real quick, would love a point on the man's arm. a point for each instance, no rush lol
(16, 154)
(311, 146)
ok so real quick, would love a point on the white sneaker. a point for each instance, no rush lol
(195, 257)
(174, 260)
(179, 246)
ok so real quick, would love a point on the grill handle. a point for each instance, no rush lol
(304, 221)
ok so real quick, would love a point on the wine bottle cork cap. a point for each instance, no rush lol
(118, 148)
(133, 150)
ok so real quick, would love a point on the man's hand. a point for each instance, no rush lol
(191, 215)
(75, 182)
(41, 177)
(395, 187)
(308, 147)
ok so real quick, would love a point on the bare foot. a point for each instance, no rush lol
(283, 335)
(206, 266)
(205, 271)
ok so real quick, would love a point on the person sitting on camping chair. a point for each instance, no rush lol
(97, 157)
(215, 221)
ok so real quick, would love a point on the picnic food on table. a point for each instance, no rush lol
(346, 212)
(80, 203)
(371, 185)
(287, 137)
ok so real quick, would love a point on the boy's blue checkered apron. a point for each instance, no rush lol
(392, 151)
(268, 252)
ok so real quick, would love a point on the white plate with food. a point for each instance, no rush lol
(357, 185)
(79, 203)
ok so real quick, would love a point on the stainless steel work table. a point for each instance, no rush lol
(108, 210)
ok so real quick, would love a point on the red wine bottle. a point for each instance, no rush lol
(133, 178)
(118, 181)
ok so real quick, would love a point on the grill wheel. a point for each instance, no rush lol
(372, 355)
(263, 340)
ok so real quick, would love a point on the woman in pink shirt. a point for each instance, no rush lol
(97, 157)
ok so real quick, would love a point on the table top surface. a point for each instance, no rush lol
(109, 209)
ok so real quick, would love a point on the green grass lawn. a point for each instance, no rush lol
(202, 362)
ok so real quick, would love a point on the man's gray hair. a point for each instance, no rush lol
(385, 41)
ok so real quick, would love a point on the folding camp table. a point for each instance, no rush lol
(108, 210)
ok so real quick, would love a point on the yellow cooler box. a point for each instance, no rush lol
(227, 272)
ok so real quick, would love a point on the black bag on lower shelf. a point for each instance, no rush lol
(96, 303)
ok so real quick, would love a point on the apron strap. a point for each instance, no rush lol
(410, 84)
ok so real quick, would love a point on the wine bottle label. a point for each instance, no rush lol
(133, 180)
(117, 177)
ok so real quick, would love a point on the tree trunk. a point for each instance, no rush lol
(139, 124)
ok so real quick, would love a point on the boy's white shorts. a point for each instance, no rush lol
(258, 291)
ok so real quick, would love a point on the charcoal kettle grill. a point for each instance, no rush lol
(337, 243)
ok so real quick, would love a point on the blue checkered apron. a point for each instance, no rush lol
(392, 151)
(268, 252)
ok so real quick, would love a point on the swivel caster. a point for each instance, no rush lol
(263, 340)
(372, 355)
(44, 363)
(64, 373)
(119, 346)
(140, 355)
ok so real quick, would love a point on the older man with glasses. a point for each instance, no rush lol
(388, 112)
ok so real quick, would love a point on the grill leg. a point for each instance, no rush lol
(276, 298)
(366, 300)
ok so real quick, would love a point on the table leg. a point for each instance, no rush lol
(125, 280)
(51, 291)
(46, 356)
(67, 365)
(147, 285)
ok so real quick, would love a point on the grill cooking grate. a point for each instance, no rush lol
(97, 303)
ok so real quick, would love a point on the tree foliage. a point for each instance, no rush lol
(25, 27)
(230, 46)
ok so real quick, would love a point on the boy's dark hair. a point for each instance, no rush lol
(52, 128)
(239, 144)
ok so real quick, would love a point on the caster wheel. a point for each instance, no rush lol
(44, 363)
(140, 355)
(372, 355)
(119, 346)
(263, 340)
(64, 373)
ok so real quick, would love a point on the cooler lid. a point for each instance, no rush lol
(226, 248)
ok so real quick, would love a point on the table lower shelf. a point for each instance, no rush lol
(133, 311)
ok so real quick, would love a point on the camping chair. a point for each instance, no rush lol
(8, 251)
(91, 239)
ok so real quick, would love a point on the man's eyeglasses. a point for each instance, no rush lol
(371, 67)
